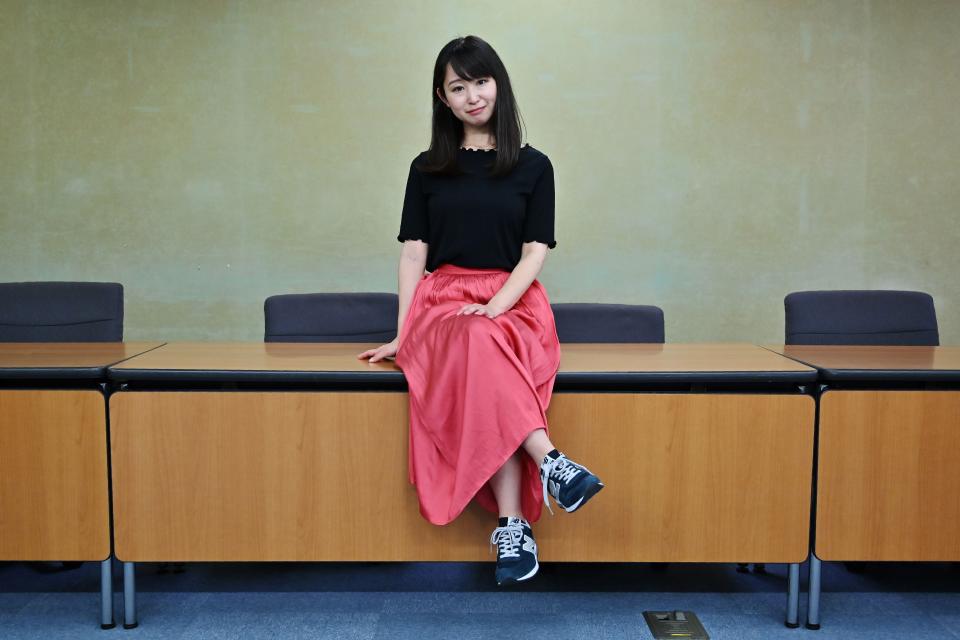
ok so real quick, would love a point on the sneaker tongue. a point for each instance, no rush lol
(516, 521)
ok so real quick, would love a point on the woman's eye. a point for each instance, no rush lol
(483, 80)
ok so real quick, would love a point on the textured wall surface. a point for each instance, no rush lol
(710, 157)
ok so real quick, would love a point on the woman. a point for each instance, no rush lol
(476, 338)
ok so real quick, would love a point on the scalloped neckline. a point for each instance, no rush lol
(462, 148)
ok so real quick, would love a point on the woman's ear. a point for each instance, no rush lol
(440, 95)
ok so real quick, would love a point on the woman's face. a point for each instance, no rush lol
(472, 101)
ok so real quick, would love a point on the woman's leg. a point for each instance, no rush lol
(538, 445)
(505, 484)
(516, 548)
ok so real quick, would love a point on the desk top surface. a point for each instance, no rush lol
(891, 363)
(65, 359)
(283, 361)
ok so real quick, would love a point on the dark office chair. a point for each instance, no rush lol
(61, 312)
(595, 322)
(331, 317)
(861, 318)
(855, 317)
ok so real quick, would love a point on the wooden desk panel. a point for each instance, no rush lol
(889, 476)
(689, 477)
(202, 476)
(207, 476)
(53, 476)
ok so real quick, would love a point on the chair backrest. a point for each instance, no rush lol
(331, 317)
(596, 322)
(861, 317)
(61, 312)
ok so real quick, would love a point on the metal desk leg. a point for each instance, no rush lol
(106, 594)
(129, 596)
(813, 601)
(793, 596)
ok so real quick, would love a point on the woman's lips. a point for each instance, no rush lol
(477, 111)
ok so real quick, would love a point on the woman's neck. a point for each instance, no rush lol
(479, 138)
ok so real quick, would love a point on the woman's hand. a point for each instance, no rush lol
(383, 351)
(490, 310)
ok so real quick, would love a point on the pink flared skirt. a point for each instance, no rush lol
(478, 387)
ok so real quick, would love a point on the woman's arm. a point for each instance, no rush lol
(413, 259)
(532, 257)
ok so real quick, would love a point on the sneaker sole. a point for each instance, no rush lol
(533, 572)
(590, 492)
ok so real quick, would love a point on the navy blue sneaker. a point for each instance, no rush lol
(570, 484)
(516, 551)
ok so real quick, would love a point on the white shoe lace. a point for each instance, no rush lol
(508, 540)
(562, 470)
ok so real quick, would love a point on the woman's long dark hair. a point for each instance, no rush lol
(471, 57)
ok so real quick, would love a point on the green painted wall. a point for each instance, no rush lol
(710, 156)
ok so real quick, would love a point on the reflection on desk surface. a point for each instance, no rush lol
(258, 356)
(863, 357)
(63, 355)
(693, 357)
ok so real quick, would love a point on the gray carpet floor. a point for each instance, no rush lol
(427, 600)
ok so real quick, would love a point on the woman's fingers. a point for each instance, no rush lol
(474, 309)
(471, 309)
(381, 353)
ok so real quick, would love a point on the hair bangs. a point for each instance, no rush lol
(469, 64)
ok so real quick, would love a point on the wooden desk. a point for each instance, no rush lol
(54, 497)
(285, 451)
(53, 456)
(888, 480)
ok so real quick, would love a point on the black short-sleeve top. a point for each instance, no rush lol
(477, 221)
